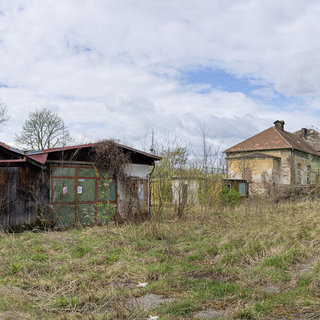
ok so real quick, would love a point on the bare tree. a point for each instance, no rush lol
(210, 159)
(44, 129)
(3, 114)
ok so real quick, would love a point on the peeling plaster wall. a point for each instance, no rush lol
(276, 171)
(306, 160)
(260, 172)
(263, 172)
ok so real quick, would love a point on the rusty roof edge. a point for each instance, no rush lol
(13, 160)
(90, 145)
(139, 151)
(19, 154)
(12, 150)
(28, 155)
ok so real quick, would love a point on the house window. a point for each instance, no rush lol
(308, 174)
(298, 176)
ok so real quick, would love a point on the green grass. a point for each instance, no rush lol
(221, 259)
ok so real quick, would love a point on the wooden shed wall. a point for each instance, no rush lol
(23, 192)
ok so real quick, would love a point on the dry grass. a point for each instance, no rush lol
(222, 259)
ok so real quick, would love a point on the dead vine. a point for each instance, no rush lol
(108, 156)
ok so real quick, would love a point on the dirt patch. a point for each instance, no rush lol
(301, 316)
(13, 291)
(13, 316)
(295, 314)
(209, 313)
(271, 289)
(211, 275)
(147, 302)
(307, 266)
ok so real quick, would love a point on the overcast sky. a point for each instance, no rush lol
(120, 69)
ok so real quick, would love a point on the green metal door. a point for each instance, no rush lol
(81, 194)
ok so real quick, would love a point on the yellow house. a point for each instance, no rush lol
(272, 158)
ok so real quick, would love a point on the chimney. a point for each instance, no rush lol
(304, 133)
(279, 124)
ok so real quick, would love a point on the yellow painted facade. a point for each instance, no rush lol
(269, 168)
(307, 160)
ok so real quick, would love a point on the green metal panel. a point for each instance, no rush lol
(86, 213)
(63, 172)
(104, 174)
(106, 190)
(87, 172)
(88, 182)
(64, 215)
(86, 189)
(105, 212)
(63, 190)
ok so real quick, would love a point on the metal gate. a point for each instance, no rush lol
(82, 194)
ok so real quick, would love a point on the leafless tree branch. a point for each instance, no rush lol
(43, 130)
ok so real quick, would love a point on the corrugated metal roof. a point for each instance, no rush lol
(40, 156)
(89, 145)
(271, 139)
(11, 149)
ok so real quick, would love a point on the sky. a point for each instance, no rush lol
(122, 69)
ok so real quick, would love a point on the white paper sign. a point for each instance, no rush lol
(65, 190)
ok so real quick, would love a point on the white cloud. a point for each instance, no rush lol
(111, 68)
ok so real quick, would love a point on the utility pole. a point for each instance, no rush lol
(152, 142)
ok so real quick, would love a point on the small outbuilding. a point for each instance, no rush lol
(240, 185)
(63, 187)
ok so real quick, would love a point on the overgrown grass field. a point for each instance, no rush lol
(257, 261)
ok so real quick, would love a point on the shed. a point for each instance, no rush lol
(240, 185)
(62, 187)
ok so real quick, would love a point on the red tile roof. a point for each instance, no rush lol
(272, 139)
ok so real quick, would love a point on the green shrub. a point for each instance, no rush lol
(230, 197)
